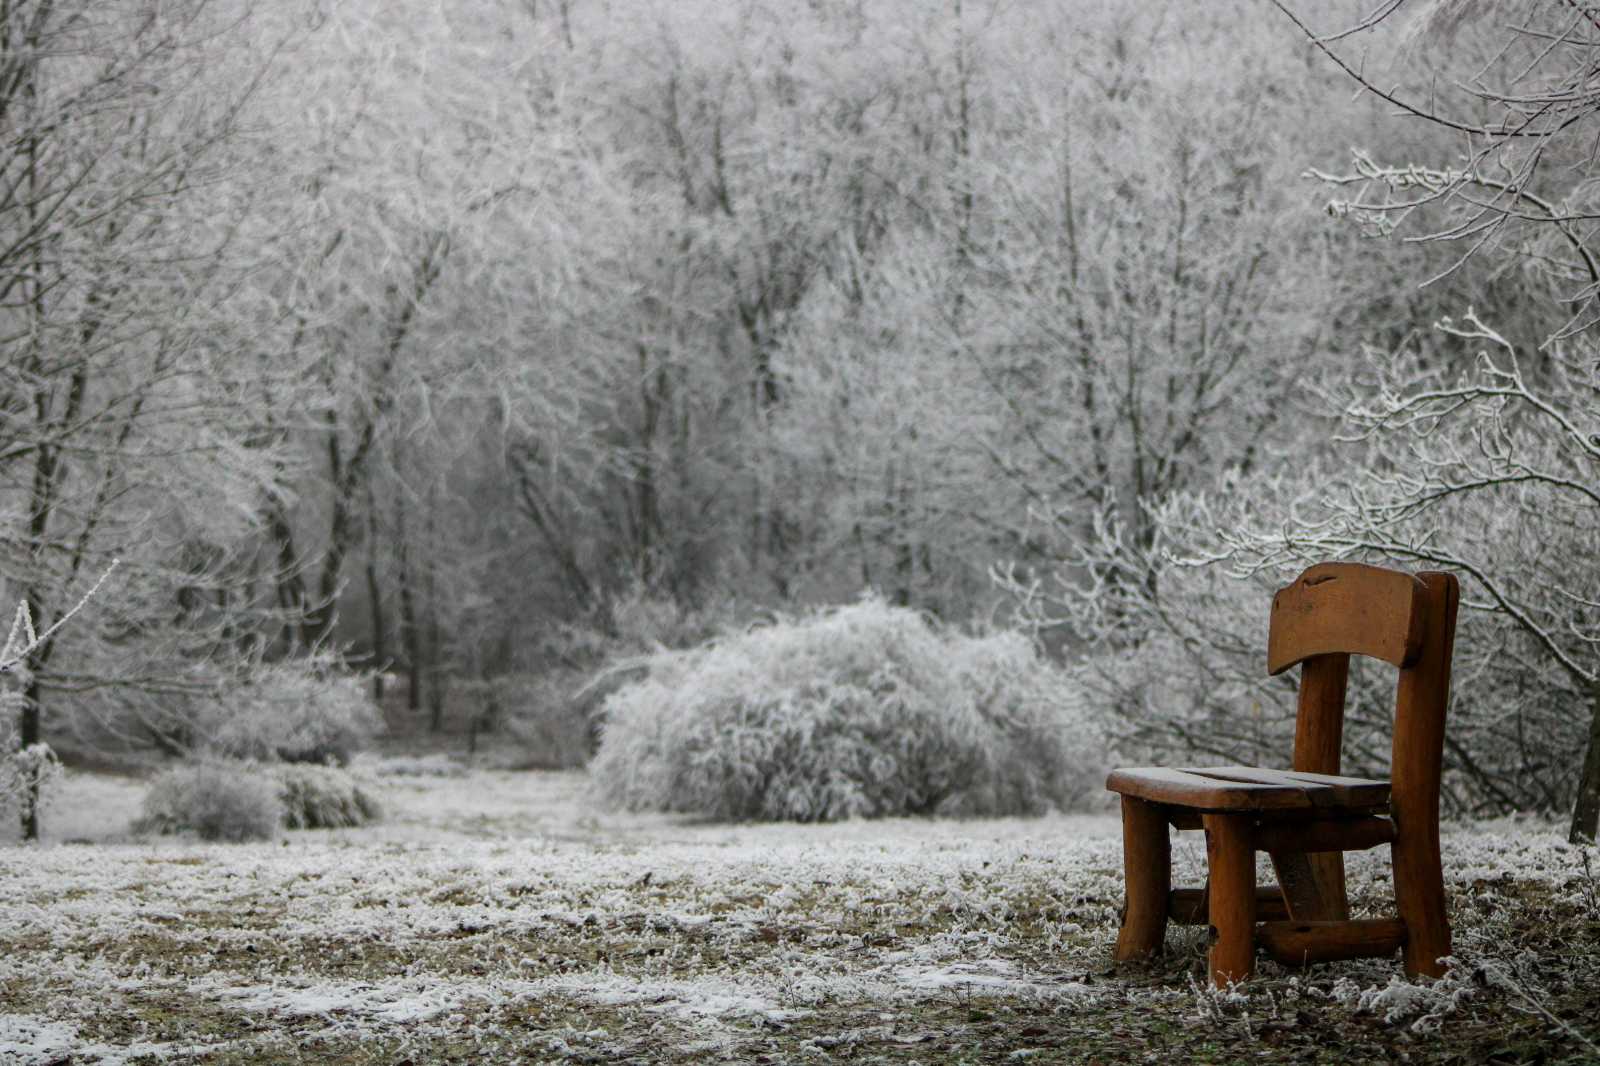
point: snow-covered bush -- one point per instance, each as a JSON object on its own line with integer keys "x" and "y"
{"x": 865, "y": 711}
{"x": 26, "y": 776}
{"x": 236, "y": 801}
{"x": 323, "y": 797}
{"x": 299, "y": 710}
{"x": 1043, "y": 751}
{"x": 218, "y": 800}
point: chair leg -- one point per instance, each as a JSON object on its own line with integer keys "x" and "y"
{"x": 1231, "y": 856}
{"x": 1419, "y": 897}
{"x": 1147, "y": 870}
{"x": 1313, "y": 887}
{"x": 1328, "y": 868}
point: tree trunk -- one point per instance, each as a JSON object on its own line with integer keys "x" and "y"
{"x": 348, "y": 473}
{"x": 1586, "y": 808}
{"x": 546, "y": 521}
{"x": 410, "y": 634}
{"x": 380, "y": 630}
{"x": 29, "y": 737}
{"x": 430, "y": 592}
{"x": 290, "y": 578}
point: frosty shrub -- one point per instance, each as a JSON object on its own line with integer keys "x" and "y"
{"x": 299, "y": 710}
{"x": 864, "y": 711}
{"x": 1043, "y": 752}
{"x": 238, "y": 801}
{"x": 34, "y": 771}
{"x": 218, "y": 800}
{"x": 323, "y": 797}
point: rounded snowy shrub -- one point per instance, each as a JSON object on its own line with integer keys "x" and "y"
{"x": 864, "y": 711}
{"x": 299, "y": 710}
{"x": 217, "y": 800}
{"x": 323, "y": 797}
{"x": 238, "y": 801}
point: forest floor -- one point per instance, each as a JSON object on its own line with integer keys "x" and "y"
{"x": 496, "y": 917}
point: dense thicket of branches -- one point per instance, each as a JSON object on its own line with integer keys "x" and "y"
{"x": 422, "y": 330}
{"x": 1473, "y": 445}
{"x": 129, "y": 392}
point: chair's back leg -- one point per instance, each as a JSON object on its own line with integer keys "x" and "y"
{"x": 1420, "y": 707}
{"x": 1318, "y": 746}
{"x": 1147, "y": 866}
{"x": 1315, "y": 892}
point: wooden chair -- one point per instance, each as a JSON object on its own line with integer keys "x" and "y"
{"x": 1305, "y": 818}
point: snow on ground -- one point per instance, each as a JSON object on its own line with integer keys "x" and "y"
{"x": 498, "y": 911}
{"x": 486, "y": 892}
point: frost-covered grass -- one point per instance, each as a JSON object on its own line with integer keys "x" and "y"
{"x": 494, "y": 918}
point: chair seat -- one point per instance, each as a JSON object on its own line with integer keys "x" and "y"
{"x": 1248, "y": 788}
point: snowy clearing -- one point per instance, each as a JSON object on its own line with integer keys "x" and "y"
{"x": 494, "y": 917}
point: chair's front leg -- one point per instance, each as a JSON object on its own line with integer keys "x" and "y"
{"x": 1147, "y": 870}
{"x": 1231, "y": 856}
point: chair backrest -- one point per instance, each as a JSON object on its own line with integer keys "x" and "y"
{"x": 1334, "y": 610}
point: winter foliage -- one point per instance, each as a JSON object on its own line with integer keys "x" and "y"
{"x": 27, "y": 777}
{"x": 545, "y": 717}
{"x": 323, "y": 797}
{"x": 303, "y": 710}
{"x": 864, "y": 711}
{"x": 1468, "y": 442}
{"x": 411, "y": 334}
{"x": 229, "y": 802}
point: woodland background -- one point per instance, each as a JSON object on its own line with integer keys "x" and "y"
{"x": 470, "y": 348}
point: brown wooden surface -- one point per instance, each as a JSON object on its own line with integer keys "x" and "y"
{"x": 1324, "y": 835}
{"x": 1319, "y": 719}
{"x": 1346, "y": 607}
{"x": 1232, "y": 862}
{"x": 1322, "y": 790}
{"x": 1318, "y": 748}
{"x": 1183, "y": 818}
{"x": 1147, "y": 868}
{"x": 1420, "y": 704}
{"x": 1298, "y": 943}
{"x": 1246, "y": 788}
{"x": 1160, "y": 784}
{"x": 1192, "y": 906}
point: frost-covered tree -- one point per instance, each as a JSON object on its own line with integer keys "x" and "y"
{"x": 1100, "y": 286}
{"x": 1494, "y": 474}
{"x": 128, "y": 332}
{"x": 418, "y": 149}
{"x": 1493, "y": 469}
{"x": 1470, "y": 448}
